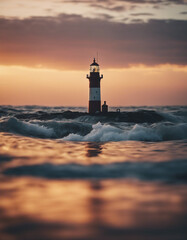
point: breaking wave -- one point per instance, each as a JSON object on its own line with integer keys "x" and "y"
{"x": 74, "y": 124}
{"x": 99, "y": 132}
{"x": 44, "y": 129}
{"x": 14, "y": 125}
{"x": 159, "y": 132}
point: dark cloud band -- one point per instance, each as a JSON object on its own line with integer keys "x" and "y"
{"x": 68, "y": 41}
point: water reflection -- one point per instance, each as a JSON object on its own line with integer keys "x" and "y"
{"x": 18, "y": 151}
{"x": 49, "y": 209}
{"x": 35, "y": 205}
{"x": 93, "y": 149}
{"x": 96, "y": 203}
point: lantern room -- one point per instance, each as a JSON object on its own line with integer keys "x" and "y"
{"x": 94, "y": 67}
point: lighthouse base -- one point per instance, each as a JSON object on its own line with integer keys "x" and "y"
{"x": 94, "y": 106}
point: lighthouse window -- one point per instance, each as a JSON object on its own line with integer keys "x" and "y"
{"x": 94, "y": 68}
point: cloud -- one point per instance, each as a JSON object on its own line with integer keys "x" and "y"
{"x": 137, "y": 20}
{"x": 155, "y": 1}
{"x": 122, "y": 5}
{"x": 70, "y": 41}
{"x": 118, "y": 8}
{"x": 126, "y": 1}
{"x": 141, "y": 14}
{"x": 104, "y": 16}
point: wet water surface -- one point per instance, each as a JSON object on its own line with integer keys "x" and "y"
{"x": 87, "y": 179}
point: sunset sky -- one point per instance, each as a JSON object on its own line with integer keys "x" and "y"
{"x": 46, "y": 47}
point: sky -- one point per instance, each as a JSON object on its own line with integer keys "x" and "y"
{"x": 46, "y": 47}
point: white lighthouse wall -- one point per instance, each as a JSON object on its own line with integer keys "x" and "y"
{"x": 95, "y": 94}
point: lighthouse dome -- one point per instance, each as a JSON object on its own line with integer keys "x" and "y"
{"x": 94, "y": 63}
{"x": 94, "y": 67}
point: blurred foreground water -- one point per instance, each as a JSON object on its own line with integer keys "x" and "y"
{"x": 91, "y": 178}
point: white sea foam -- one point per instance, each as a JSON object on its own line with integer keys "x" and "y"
{"x": 105, "y": 132}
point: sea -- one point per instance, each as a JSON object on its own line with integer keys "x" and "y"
{"x": 65, "y": 174}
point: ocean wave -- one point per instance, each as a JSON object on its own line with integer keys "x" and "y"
{"x": 44, "y": 129}
{"x": 156, "y": 132}
{"x": 138, "y": 116}
{"x": 64, "y": 128}
{"x": 99, "y": 132}
{"x": 14, "y": 125}
{"x": 175, "y": 118}
{"x": 170, "y": 171}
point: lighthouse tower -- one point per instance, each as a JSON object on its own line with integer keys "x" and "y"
{"x": 94, "y": 88}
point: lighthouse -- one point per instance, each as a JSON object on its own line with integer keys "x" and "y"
{"x": 94, "y": 88}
